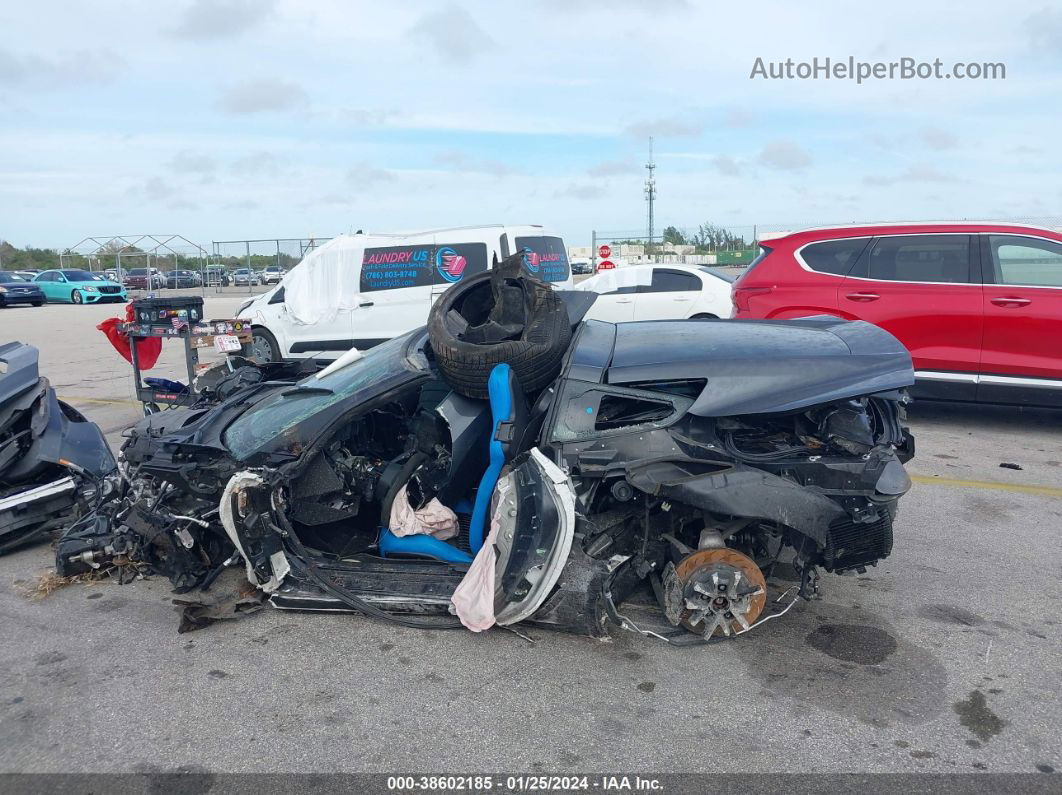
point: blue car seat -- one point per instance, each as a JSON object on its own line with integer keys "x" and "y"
{"x": 509, "y": 420}
{"x": 508, "y": 410}
{"x": 421, "y": 546}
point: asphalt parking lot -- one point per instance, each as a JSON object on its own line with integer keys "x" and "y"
{"x": 944, "y": 658}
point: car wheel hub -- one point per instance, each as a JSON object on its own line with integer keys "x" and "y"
{"x": 715, "y": 591}
{"x": 261, "y": 349}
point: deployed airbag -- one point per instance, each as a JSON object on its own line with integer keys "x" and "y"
{"x": 434, "y": 519}
{"x": 473, "y": 599}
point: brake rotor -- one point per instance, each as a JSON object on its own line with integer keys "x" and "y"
{"x": 722, "y": 591}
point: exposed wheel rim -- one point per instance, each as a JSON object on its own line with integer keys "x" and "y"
{"x": 76, "y": 297}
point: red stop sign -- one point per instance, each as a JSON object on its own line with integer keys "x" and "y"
{"x": 605, "y": 265}
{"x": 604, "y": 252}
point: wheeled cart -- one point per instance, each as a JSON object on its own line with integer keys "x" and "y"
{"x": 178, "y": 318}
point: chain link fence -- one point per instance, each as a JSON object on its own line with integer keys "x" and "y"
{"x": 150, "y": 262}
{"x": 732, "y": 244}
{"x": 255, "y": 262}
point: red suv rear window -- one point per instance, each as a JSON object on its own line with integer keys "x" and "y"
{"x": 833, "y": 256}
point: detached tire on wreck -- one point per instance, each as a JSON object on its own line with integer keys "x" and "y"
{"x": 503, "y": 315}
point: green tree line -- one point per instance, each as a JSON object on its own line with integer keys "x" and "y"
{"x": 705, "y": 239}
{"x": 29, "y": 258}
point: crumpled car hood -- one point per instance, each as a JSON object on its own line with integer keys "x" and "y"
{"x": 762, "y": 366}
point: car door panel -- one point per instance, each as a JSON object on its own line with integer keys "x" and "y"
{"x": 1021, "y": 358}
{"x": 616, "y": 306}
{"x": 328, "y": 336}
{"x": 55, "y": 288}
{"x": 394, "y": 290}
{"x": 536, "y": 518}
{"x": 43, "y": 280}
{"x": 925, "y": 290}
{"x": 671, "y": 294}
{"x": 399, "y": 283}
{"x": 323, "y": 339}
{"x": 59, "y": 288}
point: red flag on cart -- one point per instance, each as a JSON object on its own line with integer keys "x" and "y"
{"x": 147, "y": 349}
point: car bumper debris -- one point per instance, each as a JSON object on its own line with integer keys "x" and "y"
{"x": 54, "y": 463}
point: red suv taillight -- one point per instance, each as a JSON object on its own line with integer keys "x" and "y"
{"x": 741, "y": 295}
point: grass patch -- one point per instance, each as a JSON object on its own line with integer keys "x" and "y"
{"x": 45, "y": 583}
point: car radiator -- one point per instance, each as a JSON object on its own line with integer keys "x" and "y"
{"x": 853, "y": 544}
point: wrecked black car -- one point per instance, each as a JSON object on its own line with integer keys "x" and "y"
{"x": 53, "y": 461}
{"x": 678, "y": 459}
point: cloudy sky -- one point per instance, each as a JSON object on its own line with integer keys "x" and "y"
{"x": 221, "y": 119}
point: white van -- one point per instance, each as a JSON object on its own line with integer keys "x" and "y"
{"x": 357, "y": 291}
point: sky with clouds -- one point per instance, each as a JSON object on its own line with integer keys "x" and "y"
{"x": 222, "y": 119}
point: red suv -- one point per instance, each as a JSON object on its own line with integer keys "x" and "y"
{"x": 979, "y": 306}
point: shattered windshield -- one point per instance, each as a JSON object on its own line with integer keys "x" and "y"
{"x": 382, "y": 367}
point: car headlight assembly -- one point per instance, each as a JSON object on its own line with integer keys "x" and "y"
{"x": 3, "y": 290}
{"x": 89, "y": 289}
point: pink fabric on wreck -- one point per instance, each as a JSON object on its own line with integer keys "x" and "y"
{"x": 473, "y": 599}
{"x": 434, "y": 519}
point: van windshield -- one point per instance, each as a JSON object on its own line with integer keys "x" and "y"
{"x": 548, "y": 258}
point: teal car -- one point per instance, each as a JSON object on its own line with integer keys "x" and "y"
{"x": 78, "y": 287}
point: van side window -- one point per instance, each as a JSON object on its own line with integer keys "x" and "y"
{"x": 921, "y": 258}
{"x": 396, "y": 267}
{"x": 546, "y": 257}
{"x": 392, "y": 267}
{"x": 452, "y": 262}
{"x": 1026, "y": 261}
{"x": 831, "y": 256}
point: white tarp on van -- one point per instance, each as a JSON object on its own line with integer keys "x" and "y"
{"x": 325, "y": 282}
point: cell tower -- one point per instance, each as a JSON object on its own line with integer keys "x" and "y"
{"x": 650, "y": 189}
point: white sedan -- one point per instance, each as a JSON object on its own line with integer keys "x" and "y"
{"x": 658, "y": 292}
